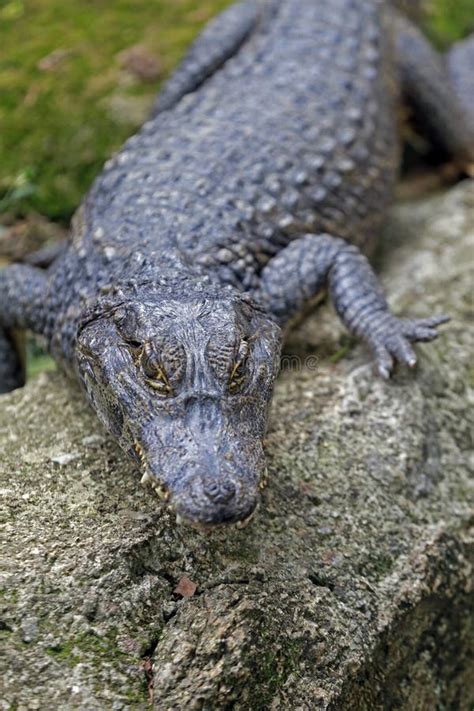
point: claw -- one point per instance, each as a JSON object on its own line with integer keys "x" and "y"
{"x": 384, "y": 362}
{"x": 402, "y": 350}
{"x": 394, "y": 337}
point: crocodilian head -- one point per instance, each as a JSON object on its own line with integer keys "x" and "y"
{"x": 183, "y": 382}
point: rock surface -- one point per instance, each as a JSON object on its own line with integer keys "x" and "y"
{"x": 351, "y": 589}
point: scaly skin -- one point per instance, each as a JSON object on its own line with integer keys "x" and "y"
{"x": 263, "y": 175}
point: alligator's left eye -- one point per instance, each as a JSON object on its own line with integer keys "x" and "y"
{"x": 154, "y": 370}
{"x": 238, "y": 370}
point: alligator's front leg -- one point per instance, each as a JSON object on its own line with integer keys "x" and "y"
{"x": 22, "y": 306}
{"x": 313, "y": 262}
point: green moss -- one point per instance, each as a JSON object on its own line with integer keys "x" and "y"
{"x": 9, "y": 596}
{"x": 348, "y": 343}
{"x": 56, "y": 129}
{"x": 274, "y": 670}
{"x": 37, "y": 360}
{"x": 90, "y": 647}
{"x": 377, "y": 568}
{"x": 449, "y": 20}
{"x": 64, "y": 653}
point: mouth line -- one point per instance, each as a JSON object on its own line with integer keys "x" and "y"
{"x": 163, "y": 494}
{"x": 160, "y": 489}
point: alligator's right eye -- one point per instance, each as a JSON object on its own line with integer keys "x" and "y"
{"x": 154, "y": 371}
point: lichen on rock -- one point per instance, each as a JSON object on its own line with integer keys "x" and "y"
{"x": 350, "y": 590}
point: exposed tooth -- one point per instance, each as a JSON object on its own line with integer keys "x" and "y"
{"x": 242, "y": 524}
{"x": 146, "y": 479}
{"x": 140, "y": 453}
{"x": 263, "y": 481}
{"x": 245, "y": 522}
{"x": 163, "y": 493}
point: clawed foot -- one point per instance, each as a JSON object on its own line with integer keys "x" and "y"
{"x": 392, "y": 339}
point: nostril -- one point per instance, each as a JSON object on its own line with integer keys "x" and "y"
{"x": 220, "y": 492}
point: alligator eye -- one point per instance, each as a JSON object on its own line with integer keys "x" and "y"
{"x": 237, "y": 373}
{"x": 154, "y": 371}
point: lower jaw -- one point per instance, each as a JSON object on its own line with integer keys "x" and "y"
{"x": 211, "y": 527}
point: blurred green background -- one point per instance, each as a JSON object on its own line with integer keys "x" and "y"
{"x": 74, "y": 84}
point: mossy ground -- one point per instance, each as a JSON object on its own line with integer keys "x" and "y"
{"x": 56, "y": 125}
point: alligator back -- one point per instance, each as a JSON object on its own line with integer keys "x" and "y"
{"x": 295, "y": 133}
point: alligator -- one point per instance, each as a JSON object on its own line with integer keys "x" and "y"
{"x": 261, "y": 180}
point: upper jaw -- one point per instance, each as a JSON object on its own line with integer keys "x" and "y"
{"x": 213, "y": 494}
{"x": 160, "y": 489}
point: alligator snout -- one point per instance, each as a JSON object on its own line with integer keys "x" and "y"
{"x": 208, "y": 502}
{"x": 210, "y": 467}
